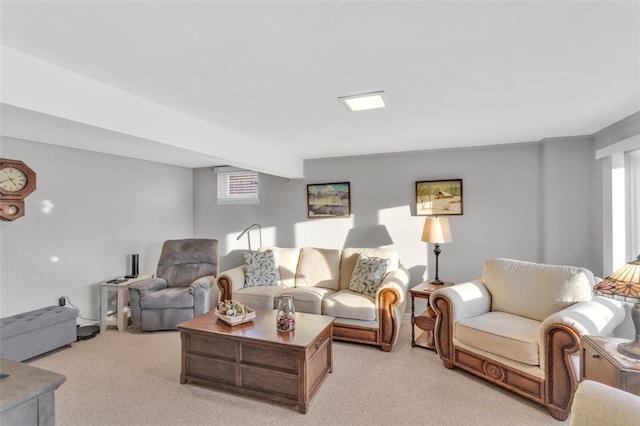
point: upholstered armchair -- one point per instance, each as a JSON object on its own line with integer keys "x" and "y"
{"x": 599, "y": 404}
{"x": 182, "y": 288}
{"x": 519, "y": 326}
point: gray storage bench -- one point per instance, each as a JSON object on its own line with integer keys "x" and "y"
{"x": 33, "y": 333}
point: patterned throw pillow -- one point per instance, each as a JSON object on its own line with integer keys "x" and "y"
{"x": 368, "y": 274}
{"x": 262, "y": 269}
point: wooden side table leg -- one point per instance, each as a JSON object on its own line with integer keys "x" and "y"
{"x": 413, "y": 322}
{"x": 432, "y": 341}
{"x": 104, "y": 305}
{"x": 123, "y": 299}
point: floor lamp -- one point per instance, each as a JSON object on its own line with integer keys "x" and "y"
{"x": 436, "y": 231}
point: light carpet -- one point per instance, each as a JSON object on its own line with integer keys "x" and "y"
{"x": 134, "y": 379}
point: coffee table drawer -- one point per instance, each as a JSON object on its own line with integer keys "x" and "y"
{"x": 272, "y": 381}
{"x": 318, "y": 344}
{"x": 269, "y": 357}
{"x": 211, "y": 345}
{"x": 211, "y": 368}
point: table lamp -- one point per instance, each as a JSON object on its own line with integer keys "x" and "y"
{"x": 437, "y": 231}
{"x": 624, "y": 284}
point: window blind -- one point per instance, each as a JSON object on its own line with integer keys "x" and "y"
{"x": 237, "y": 186}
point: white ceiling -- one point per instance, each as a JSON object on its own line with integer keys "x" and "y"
{"x": 456, "y": 74}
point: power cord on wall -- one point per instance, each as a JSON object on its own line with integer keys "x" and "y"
{"x": 66, "y": 299}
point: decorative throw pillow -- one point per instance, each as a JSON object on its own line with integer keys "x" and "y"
{"x": 368, "y": 274}
{"x": 262, "y": 269}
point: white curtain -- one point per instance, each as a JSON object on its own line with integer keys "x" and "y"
{"x": 632, "y": 165}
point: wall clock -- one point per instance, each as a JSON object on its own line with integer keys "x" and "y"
{"x": 17, "y": 180}
{"x": 11, "y": 209}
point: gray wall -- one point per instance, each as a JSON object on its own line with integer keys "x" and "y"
{"x": 533, "y": 201}
{"x": 569, "y": 220}
{"x": 526, "y": 201}
{"x": 104, "y": 208}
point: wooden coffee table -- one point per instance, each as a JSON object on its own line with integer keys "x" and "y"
{"x": 256, "y": 359}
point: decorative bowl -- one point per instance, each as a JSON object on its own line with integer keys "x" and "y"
{"x": 240, "y": 314}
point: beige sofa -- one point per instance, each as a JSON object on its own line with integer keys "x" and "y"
{"x": 519, "y": 326}
{"x": 596, "y": 404}
{"x": 319, "y": 280}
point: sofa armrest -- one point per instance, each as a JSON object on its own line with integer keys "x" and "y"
{"x": 390, "y": 302}
{"x": 452, "y": 304}
{"x": 598, "y": 404}
{"x": 139, "y": 289}
{"x": 231, "y": 280}
{"x": 397, "y": 280}
{"x": 559, "y": 345}
{"x": 599, "y": 316}
{"x": 200, "y": 289}
{"x": 467, "y": 300}
{"x": 149, "y": 285}
{"x": 202, "y": 282}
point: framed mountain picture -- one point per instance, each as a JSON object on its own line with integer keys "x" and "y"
{"x": 329, "y": 200}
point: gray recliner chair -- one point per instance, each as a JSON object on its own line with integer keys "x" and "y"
{"x": 183, "y": 288}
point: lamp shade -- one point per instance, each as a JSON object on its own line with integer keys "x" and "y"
{"x": 624, "y": 284}
{"x": 436, "y": 230}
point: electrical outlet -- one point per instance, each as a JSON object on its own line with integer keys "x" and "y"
{"x": 62, "y": 301}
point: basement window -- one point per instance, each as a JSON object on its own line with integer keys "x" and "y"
{"x": 237, "y": 186}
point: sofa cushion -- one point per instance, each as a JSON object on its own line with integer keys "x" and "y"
{"x": 319, "y": 268}
{"x": 503, "y": 334}
{"x": 308, "y": 299}
{"x": 368, "y": 274}
{"x": 350, "y": 258}
{"x": 262, "y": 269}
{"x": 288, "y": 259}
{"x": 516, "y": 286}
{"x": 349, "y": 304}
{"x": 259, "y": 297}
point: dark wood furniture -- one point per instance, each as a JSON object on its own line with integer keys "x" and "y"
{"x": 426, "y": 321}
{"x": 27, "y": 394}
{"x": 598, "y": 362}
{"x": 255, "y": 359}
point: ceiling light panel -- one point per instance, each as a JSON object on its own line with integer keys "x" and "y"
{"x": 364, "y": 101}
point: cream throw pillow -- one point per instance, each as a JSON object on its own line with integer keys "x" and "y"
{"x": 262, "y": 269}
{"x": 368, "y": 274}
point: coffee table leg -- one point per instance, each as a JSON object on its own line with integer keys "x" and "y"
{"x": 304, "y": 406}
{"x": 183, "y": 370}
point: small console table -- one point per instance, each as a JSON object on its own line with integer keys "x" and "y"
{"x": 120, "y": 318}
{"x": 600, "y": 361}
{"x": 27, "y": 394}
{"x": 426, "y": 320}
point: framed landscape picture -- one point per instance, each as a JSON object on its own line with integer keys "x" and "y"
{"x": 439, "y": 197}
{"x": 329, "y": 200}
